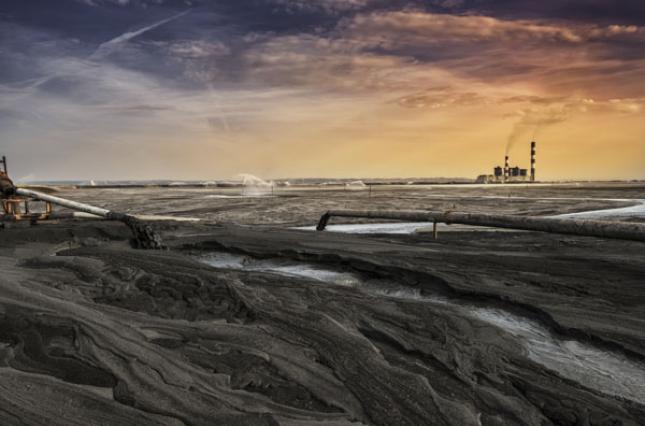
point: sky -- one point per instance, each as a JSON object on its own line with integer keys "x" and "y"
{"x": 207, "y": 89}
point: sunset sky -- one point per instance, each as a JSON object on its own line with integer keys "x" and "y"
{"x": 207, "y": 89}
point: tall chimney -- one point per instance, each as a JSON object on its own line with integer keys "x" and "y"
{"x": 533, "y": 161}
{"x": 507, "y": 168}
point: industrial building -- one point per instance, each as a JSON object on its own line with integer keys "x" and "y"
{"x": 508, "y": 174}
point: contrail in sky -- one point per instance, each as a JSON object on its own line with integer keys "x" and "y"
{"x": 110, "y": 46}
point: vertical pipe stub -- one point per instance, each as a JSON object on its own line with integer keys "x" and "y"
{"x": 322, "y": 224}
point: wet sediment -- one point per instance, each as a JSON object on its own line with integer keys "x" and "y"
{"x": 150, "y": 337}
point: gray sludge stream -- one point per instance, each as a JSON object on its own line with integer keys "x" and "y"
{"x": 607, "y": 372}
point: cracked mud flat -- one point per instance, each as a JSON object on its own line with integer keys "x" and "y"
{"x": 269, "y": 325}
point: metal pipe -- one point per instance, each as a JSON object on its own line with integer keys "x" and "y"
{"x": 589, "y": 228}
{"x": 73, "y": 205}
{"x": 144, "y": 236}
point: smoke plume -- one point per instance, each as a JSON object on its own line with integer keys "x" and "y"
{"x": 532, "y": 120}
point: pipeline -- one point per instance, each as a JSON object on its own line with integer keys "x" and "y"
{"x": 144, "y": 236}
{"x": 588, "y": 228}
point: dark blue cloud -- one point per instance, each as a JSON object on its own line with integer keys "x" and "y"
{"x": 225, "y": 41}
{"x": 595, "y": 11}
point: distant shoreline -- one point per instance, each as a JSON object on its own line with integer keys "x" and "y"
{"x": 337, "y": 184}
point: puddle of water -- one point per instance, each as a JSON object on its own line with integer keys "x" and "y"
{"x": 607, "y": 372}
{"x": 374, "y": 228}
{"x": 610, "y": 373}
{"x": 213, "y": 196}
{"x": 303, "y": 270}
{"x": 635, "y": 211}
{"x": 406, "y": 293}
{"x": 225, "y": 260}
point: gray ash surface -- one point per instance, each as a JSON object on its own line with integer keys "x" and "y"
{"x": 296, "y": 327}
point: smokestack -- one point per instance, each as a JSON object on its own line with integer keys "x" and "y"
{"x": 507, "y": 168}
{"x": 533, "y": 144}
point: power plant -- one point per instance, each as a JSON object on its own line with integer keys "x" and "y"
{"x": 508, "y": 174}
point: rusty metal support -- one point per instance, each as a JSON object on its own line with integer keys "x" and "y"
{"x": 589, "y": 228}
{"x": 11, "y": 210}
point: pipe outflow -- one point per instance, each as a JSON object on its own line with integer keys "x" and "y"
{"x": 588, "y": 228}
{"x": 144, "y": 236}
